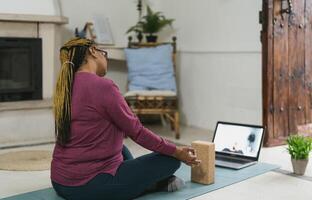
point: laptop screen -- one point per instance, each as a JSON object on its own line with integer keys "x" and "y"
{"x": 238, "y": 139}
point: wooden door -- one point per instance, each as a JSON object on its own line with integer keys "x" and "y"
{"x": 286, "y": 38}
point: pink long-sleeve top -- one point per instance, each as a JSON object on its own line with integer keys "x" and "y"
{"x": 100, "y": 118}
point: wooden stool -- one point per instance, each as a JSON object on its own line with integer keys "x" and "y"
{"x": 204, "y": 173}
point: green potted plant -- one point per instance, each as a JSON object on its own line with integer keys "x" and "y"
{"x": 299, "y": 148}
{"x": 150, "y": 24}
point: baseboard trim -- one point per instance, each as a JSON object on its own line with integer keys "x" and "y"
{"x": 11, "y": 146}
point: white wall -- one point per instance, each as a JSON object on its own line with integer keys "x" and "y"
{"x": 220, "y": 59}
{"x": 220, "y": 51}
{"x": 220, "y": 86}
{"x": 121, "y": 14}
{"x": 214, "y": 25}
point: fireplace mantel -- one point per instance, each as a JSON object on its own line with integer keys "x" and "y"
{"x": 33, "y": 18}
{"x": 33, "y": 120}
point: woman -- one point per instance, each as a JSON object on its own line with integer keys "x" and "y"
{"x": 91, "y": 120}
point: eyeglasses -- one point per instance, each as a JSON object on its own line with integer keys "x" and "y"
{"x": 103, "y": 52}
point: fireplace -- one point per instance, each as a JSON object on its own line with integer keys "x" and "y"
{"x": 20, "y": 69}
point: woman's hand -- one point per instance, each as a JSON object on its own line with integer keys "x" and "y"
{"x": 187, "y": 155}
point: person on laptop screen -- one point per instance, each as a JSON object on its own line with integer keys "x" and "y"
{"x": 237, "y": 145}
{"x": 238, "y": 139}
{"x": 234, "y": 149}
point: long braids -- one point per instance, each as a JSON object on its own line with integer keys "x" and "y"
{"x": 72, "y": 55}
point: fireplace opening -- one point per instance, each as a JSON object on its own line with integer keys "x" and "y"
{"x": 20, "y": 69}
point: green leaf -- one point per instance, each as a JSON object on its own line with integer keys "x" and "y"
{"x": 152, "y": 22}
{"x": 299, "y": 147}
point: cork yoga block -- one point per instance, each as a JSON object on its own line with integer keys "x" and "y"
{"x": 204, "y": 173}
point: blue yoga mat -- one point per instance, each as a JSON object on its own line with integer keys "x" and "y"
{"x": 223, "y": 177}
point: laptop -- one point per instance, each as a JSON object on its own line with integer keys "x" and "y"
{"x": 237, "y": 145}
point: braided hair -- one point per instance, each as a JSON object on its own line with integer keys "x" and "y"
{"x": 72, "y": 55}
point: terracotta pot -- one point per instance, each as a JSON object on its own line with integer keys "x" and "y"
{"x": 299, "y": 166}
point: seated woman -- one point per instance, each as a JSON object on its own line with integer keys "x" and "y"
{"x": 91, "y": 120}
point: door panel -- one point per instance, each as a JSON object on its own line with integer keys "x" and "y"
{"x": 287, "y": 67}
{"x": 296, "y": 57}
{"x": 308, "y": 61}
{"x": 266, "y": 16}
{"x": 280, "y": 72}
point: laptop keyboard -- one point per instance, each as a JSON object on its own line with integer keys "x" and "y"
{"x": 232, "y": 160}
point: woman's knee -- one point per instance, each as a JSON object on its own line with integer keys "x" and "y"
{"x": 176, "y": 163}
{"x": 173, "y": 163}
{"x": 160, "y": 161}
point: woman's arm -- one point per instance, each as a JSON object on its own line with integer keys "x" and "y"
{"x": 123, "y": 117}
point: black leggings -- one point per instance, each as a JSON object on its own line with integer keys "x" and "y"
{"x": 132, "y": 178}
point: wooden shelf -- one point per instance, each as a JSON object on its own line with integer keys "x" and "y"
{"x": 114, "y": 52}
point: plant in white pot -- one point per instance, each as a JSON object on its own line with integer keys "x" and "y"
{"x": 299, "y": 148}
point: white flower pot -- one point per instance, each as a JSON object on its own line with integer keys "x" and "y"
{"x": 299, "y": 166}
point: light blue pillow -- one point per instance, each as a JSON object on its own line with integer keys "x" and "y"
{"x": 150, "y": 68}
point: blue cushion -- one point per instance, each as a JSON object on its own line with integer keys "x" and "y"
{"x": 150, "y": 68}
